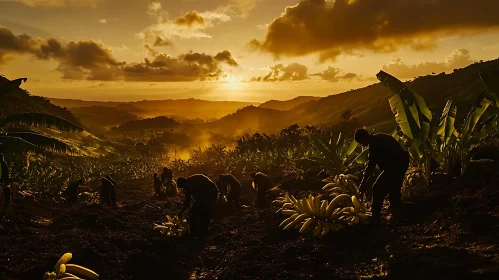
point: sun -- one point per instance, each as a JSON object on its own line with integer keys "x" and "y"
{"x": 232, "y": 82}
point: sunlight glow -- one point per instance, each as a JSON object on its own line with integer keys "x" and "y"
{"x": 232, "y": 83}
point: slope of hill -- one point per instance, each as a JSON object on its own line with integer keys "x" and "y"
{"x": 21, "y": 101}
{"x": 99, "y": 117}
{"x": 369, "y": 105}
{"x": 249, "y": 120}
{"x": 287, "y": 104}
{"x": 184, "y": 108}
{"x": 151, "y": 123}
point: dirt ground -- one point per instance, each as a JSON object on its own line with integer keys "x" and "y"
{"x": 449, "y": 232}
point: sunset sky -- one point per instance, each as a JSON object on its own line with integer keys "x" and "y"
{"x": 250, "y": 50}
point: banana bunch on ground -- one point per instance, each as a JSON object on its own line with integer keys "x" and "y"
{"x": 66, "y": 271}
{"x": 342, "y": 184}
{"x": 317, "y": 217}
{"x": 173, "y": 227}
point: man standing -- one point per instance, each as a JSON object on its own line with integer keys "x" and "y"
{"x": 204, "y": 192}
{"x": 393, "y": 160}
{"x": 4, "y": 182}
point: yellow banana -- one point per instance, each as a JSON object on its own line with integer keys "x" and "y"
{"x": 329, "y": 185}
{"x": 363, "y": 208}
{"x": 292, "y": 198}
{"x": 287, "y": 212}
{"x": 307, "y": 225}
{"x": 46, "y": 275}
{"x": 170, "y": 219}
{"x": 335, "y": 215}
{"x": 318, "y": 228}
{"x": 325, "y": 229}
{"x": 339, "y": 199}
{"x": 307, "y": 206}
{"x": 52, "y": 276}
{"x": 329, "y": 209}
{"x": 61, "y": 270}
{"x": 323, "y": 208}
{"x": 82, "y": 271}
{"x": 356, "y": 203}
{"x": 63, "y": 260}
{"x": 289, "y": 220}
{"x": 69, "y": 276}
{"x": 317, "y": 207}
{"x": 278, "y": 202}
{"x": 288, "y": 205}
{"x": 286, "y": 195}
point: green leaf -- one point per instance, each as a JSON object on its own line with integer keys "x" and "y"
{"x": 446, "y": 127}
{"x": 43, "y": 142}
{"x": 404, "y": 117}
{"x": 11, "y": 145}
{"x": 476, "y": 112}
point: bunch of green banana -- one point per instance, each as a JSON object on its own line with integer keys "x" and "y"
{"x": 173, "y": 227}
{"x": 318, "y": 217}
{"x": 66, "y": 271}
{"x": 342, "y": 184}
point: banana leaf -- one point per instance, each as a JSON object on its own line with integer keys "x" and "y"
{"x": 485, "y": 123}
{"x": 9, "y": 86}
{"x": 44, "y": 142}
{"x": 11, "y": 145}
{"x": 490, "y": 81}
{"x": 476, "y": 112}
{"x": 404, "y": 117}
{"x": 43, "y": 120}
{"x": 446, "y": 127}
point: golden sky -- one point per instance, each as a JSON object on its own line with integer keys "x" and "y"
{"x": 250, "y": 50}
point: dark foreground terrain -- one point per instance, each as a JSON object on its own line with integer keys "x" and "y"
{"x": 449, "y": 232}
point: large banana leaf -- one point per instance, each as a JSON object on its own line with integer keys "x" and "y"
{"x": 10, "y": 145}
{"x": 44, "y": 142}
{"x": 446, "y": 127}
{"x": 476, "y": 112}
{"x": 404, "y": 117}
{"x": 490, "y": 80}
{"x": 43, "y": 120}
{"x": 398, "y": 87}
{"x": 9, "y": 86}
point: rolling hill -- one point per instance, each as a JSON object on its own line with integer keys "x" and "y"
{"x": 287, "y": 104}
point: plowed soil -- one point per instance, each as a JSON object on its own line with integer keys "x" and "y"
{"x": 448, "y": 232}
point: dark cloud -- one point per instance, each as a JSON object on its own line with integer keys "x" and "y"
{"x": 92, "y": 60}
{"x": 188, "y": 67}
{"x": 279, "y": 72}
{"x": 190, "y": 19}
{"x": 333, "y": 74}
{"x": 77, "y": 60}
{"x": 334, "y": 27}
{"x": 160, "y": 42}
{"x": 457, "y": 59}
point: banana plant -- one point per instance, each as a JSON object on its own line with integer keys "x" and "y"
{"x": 331, "y": 155}
{"x": 12, "y": 142}
{"x": 413, "y": 117}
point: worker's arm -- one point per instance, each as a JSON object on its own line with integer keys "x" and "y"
{"x": 368, "y": 172}
{"x": 187, "y": 201}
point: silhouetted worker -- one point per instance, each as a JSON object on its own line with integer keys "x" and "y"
{"x": 157, "y": 185}
{"x": 167, "y": 181}
{"x": 113, "y": 189}
{"x": 262, "y": 184}
{"x": 393, "y": 160}
{"x": 72, "y": 191}
{"x": 4, "y": 182}
{"x": 235, "y": 189}
{"x": 106, "y": 191}
{"x": 205, "y": 193}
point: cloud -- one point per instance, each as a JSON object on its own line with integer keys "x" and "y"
{"x": 103, "y": 21}
{"x": 457, "y": 59}
{"x": 57, "y": 3}
{"x": 333, "y": 74}
{"x": 92, "y": 60}
{"x": 241, "y": 8}
{"x": 190, "y": 19}
{"x": 191, "y": 25}
{"x": 187, "y": 67}
{"x": 279, "y": 72}
{"x": 331, "y": 28}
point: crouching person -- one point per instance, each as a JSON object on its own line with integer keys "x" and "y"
{"x": 235, "y": 189}
{"x": 72, "y": 191}
{"x": 106, "y": 192}
{"x": 204, "y": 192}
{"x": 158, "y": 186}
{"x": 262, "y": 183}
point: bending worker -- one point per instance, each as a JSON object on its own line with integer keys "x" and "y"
{"x": 393, "y": 160}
